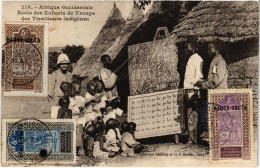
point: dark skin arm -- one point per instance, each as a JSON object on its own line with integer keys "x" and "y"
{"x": 101, "y": 144}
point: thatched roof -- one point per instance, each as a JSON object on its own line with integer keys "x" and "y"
{"x": 139, "y": 29}
{"x": 134, "y": 18}
{"x": 103, "y": 41}
{"x": 228, "y": 21}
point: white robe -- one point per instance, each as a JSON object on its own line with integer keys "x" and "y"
{"x": 193, "y": 72}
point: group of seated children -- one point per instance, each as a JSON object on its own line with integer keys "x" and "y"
{"x": 98, "y": 131}
{"x": 104, "y": 140}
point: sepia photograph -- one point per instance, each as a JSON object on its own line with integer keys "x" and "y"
{"x": 137, "y": 83}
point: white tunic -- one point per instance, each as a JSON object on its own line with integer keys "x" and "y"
{"x": 193, "y": 72}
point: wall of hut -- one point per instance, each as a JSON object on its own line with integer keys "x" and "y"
{"x": 243, "y": 69}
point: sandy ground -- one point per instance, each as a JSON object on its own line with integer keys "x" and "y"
{"x": 25, "y": 107}
{"x": 165, "y": 154}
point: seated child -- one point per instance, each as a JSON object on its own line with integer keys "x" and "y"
{"x": 89, "y": 140}
{"x": 90, "y": 94}
{"x": 78, "y": 100}
{"x": 113, "y": 135}
{"x": 64, "y": 112}
{"x": 112, "y": 109}
{"x": 129, "y": 145}
{"x": 65, "y": 89}
{"x": 88, "y": 115}
{"x": 96, "y": 98}
{"x": 123, "y": 127}
{"x": 100, "y": 150}
{"x": 75, "y": 110}
{"x": 99, "y": 92}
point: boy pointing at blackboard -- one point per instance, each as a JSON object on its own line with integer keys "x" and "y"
{"x": 108, "y": 77}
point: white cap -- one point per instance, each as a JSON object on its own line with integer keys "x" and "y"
{"x": 63, "y": 59}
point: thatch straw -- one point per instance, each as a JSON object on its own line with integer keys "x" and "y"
{"x": 103, "y": 41}
{"x": 227, "y": 21}
{"x": 135, "y": 16}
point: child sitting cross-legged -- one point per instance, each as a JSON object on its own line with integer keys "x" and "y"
{"x": 129, "y": 145}
{"x": 113, "y": 136}
{"x": 100, "y": 150}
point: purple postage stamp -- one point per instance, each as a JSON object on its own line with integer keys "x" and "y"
{"x": 230, "y": 118}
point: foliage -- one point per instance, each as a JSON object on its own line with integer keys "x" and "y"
{"x": 143, "y": 3}
{"x": 53, "y": 56}
{"x": 74, "y": 52}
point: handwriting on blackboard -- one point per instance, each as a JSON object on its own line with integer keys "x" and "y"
{"x": 156, "y": 114}
{"x": 154, "y": 67}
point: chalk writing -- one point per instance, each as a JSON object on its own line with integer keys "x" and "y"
{"x": 154, "y": 68}
{"x": 156, "y": 114}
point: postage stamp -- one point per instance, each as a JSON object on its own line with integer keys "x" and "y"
{"x": 230, "y": 120}
{"x": 31, "y": 141}
{"x": 25, "y": 59}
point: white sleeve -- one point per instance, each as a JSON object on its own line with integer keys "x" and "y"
{"x": 108, "y": 82}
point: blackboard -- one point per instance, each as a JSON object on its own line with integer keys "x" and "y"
{"x": 153, "y": 67}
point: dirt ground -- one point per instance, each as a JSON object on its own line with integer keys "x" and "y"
{"x": 162, "y": 154}
{"x": 25, "y": 107}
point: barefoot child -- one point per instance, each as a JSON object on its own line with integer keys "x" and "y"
{"x": 99, "y": 145}
{"x": 129, "y": 145}
{"x": 113, "y": 136}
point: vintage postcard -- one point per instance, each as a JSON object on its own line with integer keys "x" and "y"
{"x": 33, "y": 141}
{"x": 25, "y": 59}
{"x": 137, "y": 83}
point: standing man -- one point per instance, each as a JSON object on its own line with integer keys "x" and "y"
{"x": 217, "y": 79}
{"x": 108, "y": 77}
{"x": 57, "y": 77}
{"x": 218, "y": 72}
{"x": 193, "y": 74}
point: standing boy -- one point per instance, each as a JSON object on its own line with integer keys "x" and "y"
{"x": 108, "y": 77}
